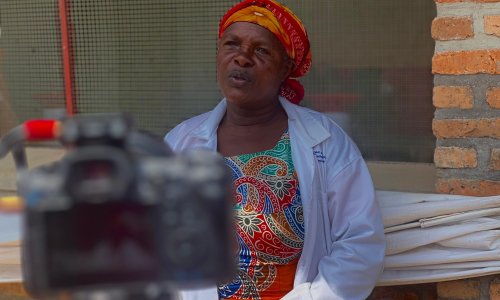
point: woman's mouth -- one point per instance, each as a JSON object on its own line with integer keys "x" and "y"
{"x": 239, "y": 78}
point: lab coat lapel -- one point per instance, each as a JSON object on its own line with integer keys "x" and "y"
{"x": 306, "y": 135}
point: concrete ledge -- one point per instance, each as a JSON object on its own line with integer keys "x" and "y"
{"x": 405, "y": 177}
{"x": 36, "y": 157}
{"x": 409, "y": 177}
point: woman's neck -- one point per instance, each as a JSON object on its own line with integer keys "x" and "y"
{"x": 258, "y": 117}
{"x": 244, "y": 131}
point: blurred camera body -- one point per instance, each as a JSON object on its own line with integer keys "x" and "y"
{"x": 121, "y": 209}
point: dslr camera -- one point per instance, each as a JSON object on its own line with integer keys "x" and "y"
{"x": 121, "y": 210}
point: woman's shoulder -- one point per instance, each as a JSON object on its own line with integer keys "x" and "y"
{"x": 186, "y": 127}
{"x": 207, "y": 119}
{"x": 338, "y": 143}
{"x": 192, "y": 122}
{"x": 323, "y": 119}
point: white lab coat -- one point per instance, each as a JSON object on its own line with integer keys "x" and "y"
{"x": 344, "y": 239}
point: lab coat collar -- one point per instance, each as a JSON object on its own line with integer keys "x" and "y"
{"x": 311, "y": 131}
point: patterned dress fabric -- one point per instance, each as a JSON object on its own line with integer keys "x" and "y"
{"x": 269, "y": 224}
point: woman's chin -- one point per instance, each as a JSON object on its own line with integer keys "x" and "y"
{"x": 238, "y": 98}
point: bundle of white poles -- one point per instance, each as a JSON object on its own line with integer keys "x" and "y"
{"x": 430, "y": 238}
{"x": 436, "y": 237}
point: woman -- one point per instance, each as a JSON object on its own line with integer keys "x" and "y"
{"x": 307, "y": 223}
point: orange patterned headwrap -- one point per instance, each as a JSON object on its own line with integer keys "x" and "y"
{"x": 287, "y": 27}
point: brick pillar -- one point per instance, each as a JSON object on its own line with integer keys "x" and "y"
{"x": 466, "y": 65}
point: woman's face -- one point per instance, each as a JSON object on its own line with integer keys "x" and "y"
{"x": 251, "y": 65}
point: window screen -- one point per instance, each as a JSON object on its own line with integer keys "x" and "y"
{"x": 31, "y": 79}
{"x": 372, "y": 73}
{"x": 151, "y": 58}
{"x": 155, "y": 59}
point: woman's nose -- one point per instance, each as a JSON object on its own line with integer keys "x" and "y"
{"x": 243, "y": 57}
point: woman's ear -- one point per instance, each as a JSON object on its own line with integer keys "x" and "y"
{"x": 289, "y": 67}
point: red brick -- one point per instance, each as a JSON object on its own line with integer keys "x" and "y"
{"x": 392, "y": 293}
{"x": 492, "y": 25}
{"x": 452, "y": 28}
{"x": 468, "y": 187}
{"x": 13, "y": 290}
{"x": 458, "y": 128}
{"x": 495, "y": 290}
{"x": 468, "y": 289}
{"x": 486, "y": 1}
{"x": 455, "y": 157}
{"x": 493, "y": 97}
{"x": 453, "y": 97}
{"x": 495, "y": 159}
{"x": 423, "y": 291}
{"x": 467, "y": 62}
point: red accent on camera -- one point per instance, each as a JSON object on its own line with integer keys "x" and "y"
{"x": 37, "y": 130}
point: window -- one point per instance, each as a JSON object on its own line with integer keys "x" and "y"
{"x": 156, "y": 59}
{"x": 372, "y": 73}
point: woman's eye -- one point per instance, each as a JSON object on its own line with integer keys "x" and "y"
{"x": 231, "y": 44}
{"x": 261, "y": 50}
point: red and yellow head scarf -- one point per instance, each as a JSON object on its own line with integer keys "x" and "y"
{"x": 287, "y": 27}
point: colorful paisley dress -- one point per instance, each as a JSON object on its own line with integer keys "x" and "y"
{"x": 269, "y": 224}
